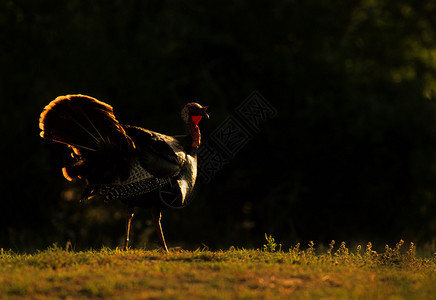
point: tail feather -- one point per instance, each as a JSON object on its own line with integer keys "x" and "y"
{"x": 90, "y": 128}
{"x": 82, "y": 122}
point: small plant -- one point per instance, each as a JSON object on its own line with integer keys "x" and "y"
{"x": 331, "y": 246}
{"x": 342, "y": 252}
{"x": 396, "y": 257}
{"x": 68, "y": 246}
{"x": 295, "y": 251}
{"x": 270, "y": 245}
{"x": 369, "y": 253}
{"x": 311, "y": 250}
{"x": 411, "y": 253}
{"x": 391, "y": 256}
{"x": 358, "y": 249}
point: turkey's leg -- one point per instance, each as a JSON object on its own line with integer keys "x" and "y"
{"x": 157, "y": 215}
{"x": 130, "y": 215}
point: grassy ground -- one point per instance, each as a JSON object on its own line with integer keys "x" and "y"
{"x": 268, "y": 273}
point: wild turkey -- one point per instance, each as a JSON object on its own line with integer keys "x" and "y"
{"x": 140, "y": 167}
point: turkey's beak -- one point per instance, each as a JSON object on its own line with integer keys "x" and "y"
{"x": 204, "y": 108}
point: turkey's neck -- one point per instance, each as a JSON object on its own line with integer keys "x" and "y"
{"x": 195, "y": 134}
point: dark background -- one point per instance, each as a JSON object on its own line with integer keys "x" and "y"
{"x": 350, "y": 155}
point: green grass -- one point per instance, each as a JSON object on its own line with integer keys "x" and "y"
{"x": 267, "y": 273}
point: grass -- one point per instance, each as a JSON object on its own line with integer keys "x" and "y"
{"x": 267, "y": 273}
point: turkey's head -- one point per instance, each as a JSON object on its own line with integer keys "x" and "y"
{"x": 193, "y": 112}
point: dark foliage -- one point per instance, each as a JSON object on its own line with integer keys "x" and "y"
{"x": 349, "y": 156}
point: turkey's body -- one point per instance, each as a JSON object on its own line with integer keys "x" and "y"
{"x": 158, "y": 163}
{"x": 121, "y": 162}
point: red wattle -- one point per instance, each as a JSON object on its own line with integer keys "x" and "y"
{"x": 195, "y": 119}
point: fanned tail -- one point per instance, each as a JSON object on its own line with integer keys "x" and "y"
{"x": 90, "y": 128}
{"x": 82, "y": 122}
